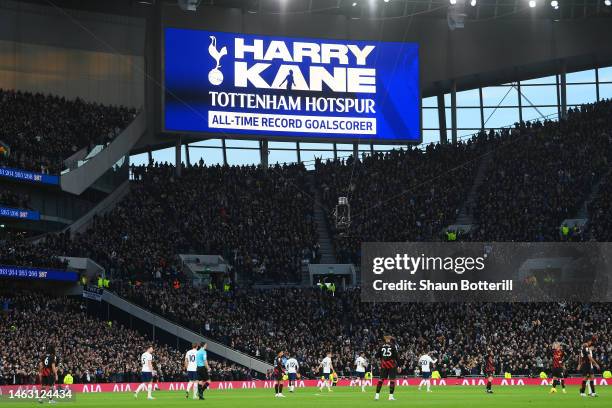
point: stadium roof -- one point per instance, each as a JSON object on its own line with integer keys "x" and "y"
{"x": 393, "y": 9}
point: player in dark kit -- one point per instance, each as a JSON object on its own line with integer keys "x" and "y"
{"x": 586, "y": 366}
{"x": 48, "y": 373}
{"x": 489, "y": 371}
{"x": 279, "y": 372}
{"x": 388, "y": 356}
{"x": 558, "y": 367}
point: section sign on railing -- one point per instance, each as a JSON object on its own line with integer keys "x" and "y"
{"x": 19, "y": 213}
{"x": 19, "y": 272}
{"x": 30, "y": 176}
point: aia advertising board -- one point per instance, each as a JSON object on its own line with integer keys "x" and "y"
{"x": 257, "y": 384}
{"x": 256, "y": 86}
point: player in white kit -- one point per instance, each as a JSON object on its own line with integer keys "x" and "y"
{"x": 360, "y": 369}
{"x": 426, "y": 363}
{"x": 146, "y": 373}
{"x": 328, "y": 368}
{"x": 292, "y": 366}
{"x": 192, "y": 371}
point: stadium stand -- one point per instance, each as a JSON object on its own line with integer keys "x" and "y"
{"x": 520, "y": 335}
{"x": 261, "y": 222}
{"x": 17, "y": 250}
{"x": 43, "y": 130}
{"x": 14, "y": 199}
{"x": 296, "y": 82}
{"x": 257, "y": 218}
{"x": 600, "y": 224}
{"x": 398, "y": 196}
{"x": 535, "y": 184}
{"x": 92, "y": 350}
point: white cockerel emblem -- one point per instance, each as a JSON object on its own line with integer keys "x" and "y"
{"x": 215, "y": 76}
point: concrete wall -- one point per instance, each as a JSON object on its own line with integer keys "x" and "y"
{"x": 93, "y": 56}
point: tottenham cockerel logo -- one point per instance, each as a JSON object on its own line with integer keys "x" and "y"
{"x": 215, "y": 76}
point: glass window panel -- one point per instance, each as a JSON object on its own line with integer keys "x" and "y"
{"x": 431, "y": 102}
{"x": 383, "y": 148}
{"x": 530, "y": 114}
{"x": 500, "y": 117}
{"x": 544, "y": 80}
{"x": 430, "y": 118}
{"x": 209, "y": 142}
{"x": 605, "y": 91}
{"x": 323, "y": 151}
{"x": 282, "y": 145}
{"x": 499, "y": 96}
{"x": 581, "y": 76}
{"x": 239, "y": 157}
{"x": 242, "y": 143}
{"x": 282, "y": 156}
{"x": 449, "y": 118}
{"x": 579, "y": 94}
{"x": 468, "y": 98}
{"x": 164, "y": 155}
{"x": 431, "y": 136}
{"x": 466, "y": 133}
{"x": 539, "y": 95}
{"x": 468, "y": 118}
{"x": 210, "y": 156}
{"x": 605, "y": 74}
{"x": 139, "y": 159}
{"x": 344, "y": 148}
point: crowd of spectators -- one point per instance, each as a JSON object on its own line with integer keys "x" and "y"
{"x": 16, "y": 250}
{"x": 41, "y": 131}
{"x": 541, "y": 173}
{"x": 537, "y": 174}
{"x": 90, "y": 349}
{"x": 13, "y": 199}
{"x": 402, "y": 195}
{"x": 309, "y": 322}
{"x": 259, "y": 221}
{"x": 600, "y": 210}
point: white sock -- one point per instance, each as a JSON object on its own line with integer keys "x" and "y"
{"x": 140, "y": 388}
{"x": 189, "y": 384}
{"x": 421, "y": 383}
{"x": 428, "y": 384}
{"x": 149, "y": 390}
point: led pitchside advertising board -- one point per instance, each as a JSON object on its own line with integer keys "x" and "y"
{"x": 256, "y": 86}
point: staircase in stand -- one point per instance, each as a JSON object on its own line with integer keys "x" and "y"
{"x": 466, "y": 215}
{"x": 583, "y": 212}
{"x": 325, "y": 241}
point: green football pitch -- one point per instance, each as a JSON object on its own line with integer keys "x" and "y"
{"x": 346, "y": 397}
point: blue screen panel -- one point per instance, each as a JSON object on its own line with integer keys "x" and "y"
{"x": 291, "y": 88}
{"x": 18, "y": 272}
{"x": 24, "y": 175}
{"x": 19, "y": 213}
